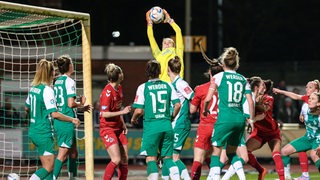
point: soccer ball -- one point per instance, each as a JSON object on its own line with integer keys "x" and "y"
{"x": 13, "y": 176}
{"x": 156, "y": 14}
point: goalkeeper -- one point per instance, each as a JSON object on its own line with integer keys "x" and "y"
{"x": 170, "y": 49}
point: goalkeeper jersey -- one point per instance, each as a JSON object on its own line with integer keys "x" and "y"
{"x": 41, "y": 103}
{"x": 165, "y": 55}
{"x": 155, "y": 97}
{"x": 64, "y": 88}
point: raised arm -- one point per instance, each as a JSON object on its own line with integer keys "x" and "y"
{"x": 287, "y": 93}
{"x": 153, "y": 43}
{"x": 179, "y": 47}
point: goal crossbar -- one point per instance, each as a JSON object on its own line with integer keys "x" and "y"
{"x": 85, "y": 17}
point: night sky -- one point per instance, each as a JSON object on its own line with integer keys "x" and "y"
{"x": 284, "y": 32}
{"x": 260, "y": 30}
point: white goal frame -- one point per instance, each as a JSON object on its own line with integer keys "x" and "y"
{"x": 86, "y": 58}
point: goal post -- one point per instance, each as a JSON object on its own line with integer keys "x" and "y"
{"x": 28, "y": 34}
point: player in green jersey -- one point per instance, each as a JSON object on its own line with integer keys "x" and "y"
{"x": 311, "y": 139}
{"x": 181, "y": 124}
{"x": 41, "y": 107}
{"x": 230, "y": 125}
{"x": 153, "y": 100}
{"x": 65, "y": 93}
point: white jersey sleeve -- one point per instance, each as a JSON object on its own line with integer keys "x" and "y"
{"x": 184, "y": 88}
{"x": 70, "y": 87}
{"x": 218, "y": 78}
{"x": 139, "y": 99}
{"x": 48, "y": 98}
{"x": 247, "y": 87}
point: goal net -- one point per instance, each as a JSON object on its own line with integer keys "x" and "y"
{"x": 27, "y": 35}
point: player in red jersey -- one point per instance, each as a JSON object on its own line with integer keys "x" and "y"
{"x": 202, "y": 144}
{"x": 266, "y": 129}
{"x": 312, "y": 86}
{"x": 113, "y": 130}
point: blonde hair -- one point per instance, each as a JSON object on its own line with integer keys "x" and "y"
{"x": 230, "y": 58}
{"x": 316, "y": 84}
{"x": 44, "y": 73}
{"x": 113, "y": 72}
{"x": 169, "y": 39}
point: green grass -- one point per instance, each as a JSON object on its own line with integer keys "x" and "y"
{"x": 270, "y": 176}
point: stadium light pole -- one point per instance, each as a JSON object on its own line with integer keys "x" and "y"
{"x": 187, "y": 57}
{"x": 220, "y": 26}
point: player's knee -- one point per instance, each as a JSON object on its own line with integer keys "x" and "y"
{"x": 245, "y": 158}
{"x": 284, "y": 152}
{"x": 116, "y": 160}
{"x": 73, "y": 154}
{"x": 49, "y": 167}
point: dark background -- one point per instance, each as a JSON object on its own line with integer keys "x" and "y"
{"x": 274, "y": 38}
{"x": 265, "y": 30}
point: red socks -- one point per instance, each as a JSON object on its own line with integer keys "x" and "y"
{"x": 123, "y": 171}
{"x": 254, "y": 163}
{"x": 108, "y": 173}
{"x": 279, "y": 164}
{"x": 196, "y": 170}
{"x": 303, "y": 158}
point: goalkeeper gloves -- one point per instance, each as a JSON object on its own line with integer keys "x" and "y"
{"x": 149, "y": 21}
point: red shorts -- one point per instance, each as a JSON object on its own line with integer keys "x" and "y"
{"x": 110, "y": 137}
{"x": 263, "y": 137}
{"x": 203, "y": 138}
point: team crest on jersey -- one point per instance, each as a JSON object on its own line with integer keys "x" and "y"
{"x": 188, "y": 90}
{"x": 73, "y": 88}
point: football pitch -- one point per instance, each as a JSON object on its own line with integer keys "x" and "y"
{"x": 271, "y": 176}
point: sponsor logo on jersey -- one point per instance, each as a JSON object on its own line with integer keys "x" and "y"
{"x": 73, "y": 88}
{"x": 136, "y": 98}
{"x": 188, "y": 90}
{"x": 104, "y": 107}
